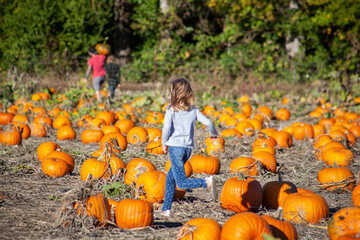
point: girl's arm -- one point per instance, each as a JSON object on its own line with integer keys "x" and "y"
{"x": 207, "y": 122}
{"x": 166, "y": 127}
{"x": 88, "y": 70}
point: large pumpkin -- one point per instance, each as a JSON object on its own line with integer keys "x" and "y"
{"x": 10, "y": 137}
{"x": 267, "y": 160}
{"x": 91, "y": 135}
{"x": 305, "y": 208}
{"x": 155, "y": 147}
{"x": 245, "y": 226}
{"x": 45, "y": 148}
{"x": 55, "y": 167}
{"x": 205, "y": 164}
{"x": 356, "y": 196}
{"x": 135, "y": 167}
{"x": 340, "y": 178}
{"x": 38, "y": 129}
{"x": 239, "y": 194}
{"x": 131, "y": 213}
{"x": 246, "y": 165}
{"x": 344, "y": 221}
{"x": 97, "y": 206}
{"x": 137, "y": 135}
{"x": 64, "y": 156}
{"x": 116, "y": 140}
{"x": 151, "y": 186}
{"x": 275, "y": 193}
{"x": 200, "y": 228}
{"x": 97, "y": 168}
{"x": 115, "y": 162}
{"x": 23, "y": 128}
{"x": 124, "y": 125}
{"x": 66, "y": 133}
{"x": 280, "y": 228}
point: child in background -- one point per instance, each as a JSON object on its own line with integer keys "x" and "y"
{"x": 113, "y": 75}
{"x": 177, "y": 139}
{"x": 96, "y": 64}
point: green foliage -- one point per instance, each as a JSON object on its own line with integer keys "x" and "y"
{"x": 35, "y": 33}
{"x": 221, "y": 38}
{"x": 117, "y": 189}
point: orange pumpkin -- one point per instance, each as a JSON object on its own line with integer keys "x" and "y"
{"x": 10, "y": 137}
{"x": 356, "y": 196}
{"x": 6, "y": 118}
{"x": 339, "y": 156}
{"x": 20, "y": 118}
{"x": 124, "y": 125}
{"x": 283, "y": 139}
{"x": 282, "y": 114}
{"x": 153, "y": 133}
{"x": 97, "y": 168}
{"x": 239, "y": 194}
{"x": 137, "y": 135}
{"x": 98, "y": 206}
{"x": 23, "y": 128}
{"x": 131, "y": 213}
{"x": 200, "y": 228}
{"x": 66, "y": 133}
{"x": 151, "y": 186}
{"x": 45, "y": 148}
{"x": 115, "y": 139}
{"x": 246, "y": 226}
{"x": 275, "y": 193}
{"x": 305, "y": 208}
{"x": 43, "y": 119}
{"x": 231, "y": 132}
{"x": 55, "y": 167}
{"x": 280, "y": 228}
{"x": 267, "y": 160}
{"x": 245, "y": 128}
{"x": 91, "y": 136}
{"x": 344, "y": 221}
{"x": 205, "y": 164}
{"x": 155, "y": 147}
{"x": 246, "y": 165}
{"x": 340, "y": 178}
{"x": 38, "y": 129}
{"x": 64, "y": 156}
{"x": 60, "y": 122}
{"x": 302, "y": 131}
{"x": 135, "y": 167}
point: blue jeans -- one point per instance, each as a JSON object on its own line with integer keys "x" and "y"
{"x": 177, "y": 176}
{"x": 112, "y": 91}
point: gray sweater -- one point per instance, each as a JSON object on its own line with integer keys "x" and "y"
{"x": 178, "y": 129}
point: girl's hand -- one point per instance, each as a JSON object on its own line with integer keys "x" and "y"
{"x": 165, "y": 149}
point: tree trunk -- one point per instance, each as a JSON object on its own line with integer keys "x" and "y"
{"x": 122, "y": 36}
{"x": 292, "y": 43}
{"x": 164, "y": 6}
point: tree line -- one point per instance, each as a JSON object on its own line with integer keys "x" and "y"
{"x": 297, "y": 40}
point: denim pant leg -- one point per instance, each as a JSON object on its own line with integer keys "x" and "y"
{"x": 176, "y": 174}
{"x": 112, "y": 91}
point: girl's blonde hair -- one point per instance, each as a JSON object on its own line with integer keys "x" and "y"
{"x": 181, "y": 95}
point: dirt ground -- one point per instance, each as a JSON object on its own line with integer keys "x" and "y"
{"x": 31, "y": 203}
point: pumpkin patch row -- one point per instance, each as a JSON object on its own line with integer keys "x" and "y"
{"x": 242, "y": 195}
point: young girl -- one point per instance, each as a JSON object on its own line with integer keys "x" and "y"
{"x": 177, "y": 139}
{"x": 96, "y": 64}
